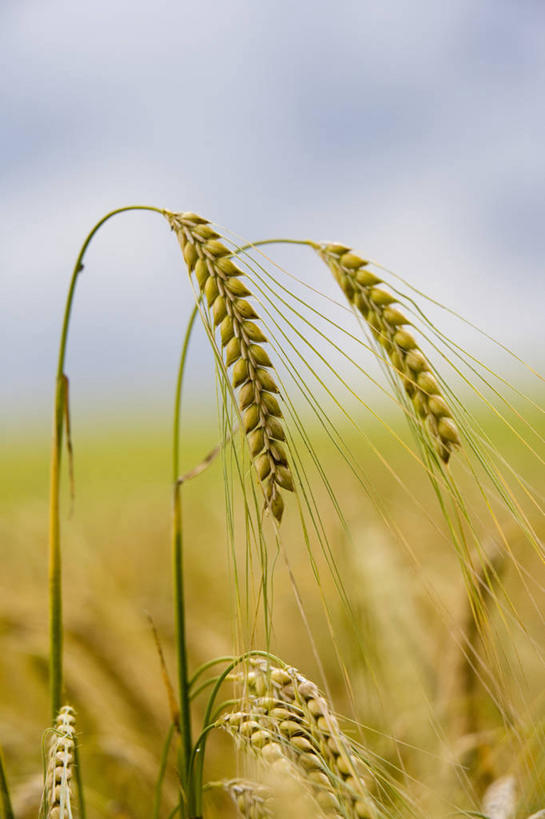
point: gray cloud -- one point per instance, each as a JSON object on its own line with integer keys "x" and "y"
{"x": 413, "y": 130}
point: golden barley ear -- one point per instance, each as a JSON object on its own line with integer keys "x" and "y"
{"x": 57, "y": 798}
{"x": 283, "y": 745}
{"x": 388, "y": 326}
{"x": 289, "y": 723}
{"x": 219, "y": 280}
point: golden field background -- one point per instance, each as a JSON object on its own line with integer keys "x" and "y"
{"x": 402, "y": 641}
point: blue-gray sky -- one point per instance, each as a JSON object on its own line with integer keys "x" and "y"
{"x": 411, "y": 129}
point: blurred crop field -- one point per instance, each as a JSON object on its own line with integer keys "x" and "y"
{"x": 394, "y": 660}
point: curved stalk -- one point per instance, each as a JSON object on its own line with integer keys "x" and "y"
{"x": 262, "y": 242}
{"x": 55, "y": 576}
{"x": 203, "y": 686}
{"x": 209, "y": 664}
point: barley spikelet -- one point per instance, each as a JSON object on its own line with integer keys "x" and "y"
{"x": 388, "y": 325}
{"x": 499, "y": 801}
{"x": 296, "y": 701}
{"x": 285, "y": 747}
{"x": 60, "y": 762}
{"x": 289, "y": 686}
{"x": 241, "y": 339}
{"x": 253, "y": 800}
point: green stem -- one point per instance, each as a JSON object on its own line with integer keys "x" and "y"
{"x": 262, "y": 242}
{"x": 209, "y": 664}
{"x": 179, "y": 602}
{"x": 4, "y": 791}
{"x": 55, "y": 577}
{"x": 202, "y": 687}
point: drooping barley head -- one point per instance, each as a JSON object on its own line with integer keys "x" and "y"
{"x": 389, "y": 327}
{"x": 218, "y": 279}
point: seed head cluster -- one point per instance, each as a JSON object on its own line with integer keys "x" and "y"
{"x": 57, "y": 795}
{"x": 283, "y": 744}
{"x": 388, "y": 325}
{"x": 218, "y": 279}
{"x": 289, "y": 723}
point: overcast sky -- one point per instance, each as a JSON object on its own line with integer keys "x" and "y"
{"x": 411, "y": 129}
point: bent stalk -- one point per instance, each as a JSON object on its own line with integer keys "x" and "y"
{"x": 55, "y": 567}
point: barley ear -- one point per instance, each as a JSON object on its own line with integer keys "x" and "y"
{"x": 60, "y": 766}
{"x": 302, "y": 719}
{"x": 389, "y": 327}
{"x": 290, "y": 686}
{"x": 218, "y": 279}
{"x": 283, "y": 745}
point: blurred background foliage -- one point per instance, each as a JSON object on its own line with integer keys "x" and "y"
{"x": 409, "y": 609}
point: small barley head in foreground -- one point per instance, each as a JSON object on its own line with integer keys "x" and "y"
{"x": 219, "y": 281}
{"x": 60, "y": 762}
{"x": 388, "y": 325}
{"x": 283, "y": 701}
{"x": 253, "y": 800}
{"x": 286, "y": 750}
{"x": 499, "y": 801}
